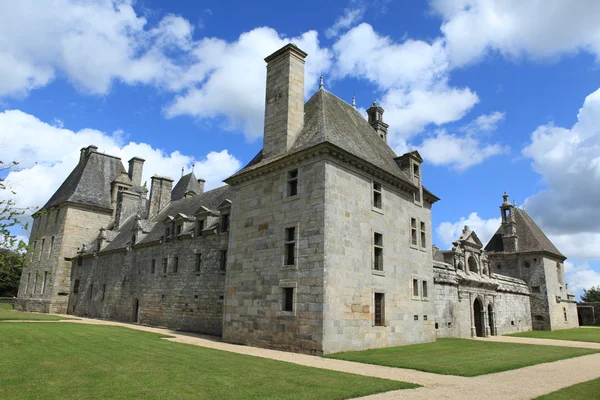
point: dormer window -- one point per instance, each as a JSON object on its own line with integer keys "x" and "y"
{"x": 292, "y": 183}
{"x": 225, "y": 223}
{"x": 167, "y": 233}
{"x": 200, "y": 227}
{"x": 178, "y": 229}
{"x": 416, "y": 171}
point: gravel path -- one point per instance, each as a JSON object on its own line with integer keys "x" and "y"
{"x": 525, "y": 383}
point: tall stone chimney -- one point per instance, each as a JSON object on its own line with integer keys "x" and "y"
{"x": 136, "y": 167}
{"x": 510, "y": 240}
{"x": 284, "y": 103}
{"x": 160, "y": 194}
{"x": 201, "y": 185}
{"x": 375, "y": 114}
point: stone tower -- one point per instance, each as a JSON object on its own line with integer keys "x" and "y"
{"x": 520, "y": 249}
{"x": 89, "y": 199}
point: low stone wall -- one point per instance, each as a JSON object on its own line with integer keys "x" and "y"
{"x": 589, "y": 314}
{"x": 9, "y": 300}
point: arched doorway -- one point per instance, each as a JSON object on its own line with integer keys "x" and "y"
{"x": 136, "y": 311}
{"x": 491, "y": 317}
{"x": 478, "y": 317}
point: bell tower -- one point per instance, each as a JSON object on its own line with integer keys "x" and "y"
{"x": 509, "y": 226}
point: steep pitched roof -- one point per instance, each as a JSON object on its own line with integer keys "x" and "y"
{"x": 530, "y": 237}
{"x": 327, "y": 118}
{"x": 89, "y": 183}
{"x": 187, "y": 183}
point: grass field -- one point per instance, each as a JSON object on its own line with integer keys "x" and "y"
{"x": 73, "y": 361}
{"x": 7, "y": 313}
{"x": 463, "y": 357}
{"x": 577, "y": 334}
{"x": 586, "y": 390}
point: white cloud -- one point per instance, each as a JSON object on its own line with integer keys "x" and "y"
{"x": 232, "y": 77}
{"x": 351, "y": 16}
{"x": 568, "y": 160}
{"x": 48, "y": 154}
{"x": 537, "y": 29}
{"x": 412, "y": 76}
{"x": 484, "y": 123}
{"x": 484, "y": 228}
{"x": 581, "y": 276}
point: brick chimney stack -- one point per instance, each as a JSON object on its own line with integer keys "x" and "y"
{"x": 284, "y": 103}
{"x": 160, "y": 194}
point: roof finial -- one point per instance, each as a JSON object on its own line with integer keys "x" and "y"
{"x": 193, "y": 165}
{"x": 353, "y": 100}
{"x": 181, "y": 171}
{"x": 321, "y": 84}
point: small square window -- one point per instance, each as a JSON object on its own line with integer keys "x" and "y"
{"x": 416, "y": 317}
{"x": 288, "y": 299}
{"x": 536, "y": 289}
{"x": 424, "y": 317}
{"x": 292, "y": 183}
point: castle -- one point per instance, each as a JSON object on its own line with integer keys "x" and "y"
{"x": 321, "y": 244}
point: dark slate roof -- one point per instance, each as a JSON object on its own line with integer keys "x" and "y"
{"x": 530, "y": 237}
{"x": 328, "y": 118}
{"x": 89, "y": 183}
{"x": 186, "y": 184}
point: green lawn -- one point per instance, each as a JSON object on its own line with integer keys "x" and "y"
{"x": 586, "y": 390}
{"x": 577, "y": 334}
{"x": 73, "y": 361}
{"x": 7, "y": 313}
{"x": 463, "y": 357}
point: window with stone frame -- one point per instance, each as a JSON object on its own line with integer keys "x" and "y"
{"x": 75, "y": 286}
{"x": 153, "y": 266}
{"x": 565, "y": 313}
{"x": 103, "y": 291}
{"x": 223, "y": 260}
{"x": 225, "y": 223}
{"x": 377, "y": 251}
{"x": 178, "y": 229}
{"x": 377, "y": 195}
{"x": 425, "y": 291}
{"x": 423, "y": 235}
{"x": 287, "y": 303}
{"x": 175, "y": 264}
{"x": 379, "y": 304}
{"x": 51, "y": 247}
{"x": 536, "y": 289}
{"x": 198, "y": 261}
{"x": 414, "y": 240}
{"x": 200, "y": 227}
{"x": 290, "y": 246}
{"x": 415, "y": 288}
{"x": 165, "y": 263}
{"x": 292, "y": 183}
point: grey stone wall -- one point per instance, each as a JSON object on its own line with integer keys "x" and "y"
{"x": 350, "y": 279}
{"x": 112, "y": 285}
{"x": 256, "y": 276}
{"x": 589, "y": 313}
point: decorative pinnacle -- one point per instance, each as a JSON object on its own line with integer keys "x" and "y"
{"x": 353, "y": 100}
{"x": 321, "y": 84}
{"x": 181, "y": 171}
{"x": 193, "y": 165}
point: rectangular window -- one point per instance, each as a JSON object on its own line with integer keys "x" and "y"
{"x": 413, "y": 232}
{"x": 425, "y": 293}
{"x": 103, "y": 291}
{"x": 292, "y": 183}
{"x": 76, "y": 286}
{"x": 423, "y": 240}
{"x": 153, "y": 266}
{"x": 91, "y": 291}
{"x": 223, "y": 260}
{"x": 51, "y": 247}
{"x": 42, "y": 249}
{"x": 165, "y": 262}
{"x": 176, "y": 264}
{"x": 198, "y": 261}
{"x": 34, "y": 283}
{"x": 178, "y": 229}
{"x": 168, "y": 233}
{"x": 377, "y": 198}
{"x": 288, "y": 299}
{"x": 415, "y": 287}
{"x": 225, "y": 223}
{"x": 565, "y": 313}
{"x": 290, "y": 246}
{"x": 379, "y": 309}
{"x": 200, "y": 227}
{"x": 378, "y": 251}
{"x": 44, "y": 282}
{"x": 535, "y": 289}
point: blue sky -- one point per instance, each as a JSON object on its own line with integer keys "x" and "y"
{"x": 496, "y": 95}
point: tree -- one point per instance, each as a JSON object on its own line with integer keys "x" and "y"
{"x": 591, "y": 295}
{"x": 12, "y": 248}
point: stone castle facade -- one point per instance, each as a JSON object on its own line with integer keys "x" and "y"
{"x": 321, "y": 244}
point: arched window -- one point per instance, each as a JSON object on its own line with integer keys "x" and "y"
{"x": 473, "y": 265}
{"x": 461, "y": 266}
